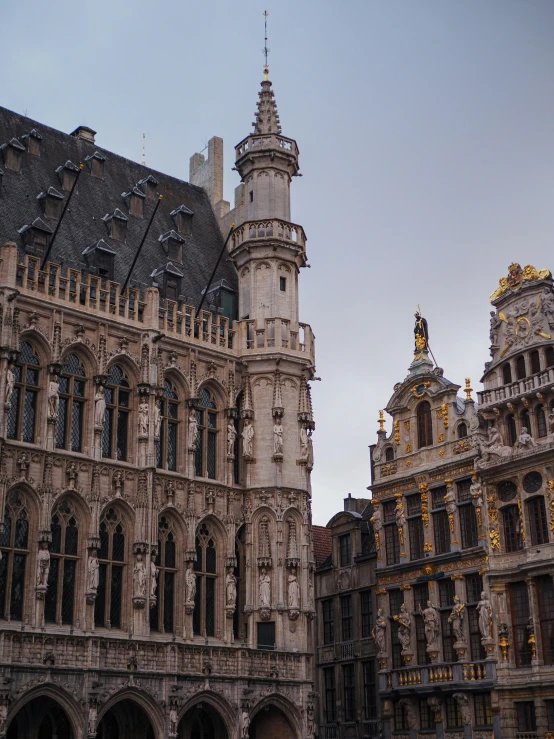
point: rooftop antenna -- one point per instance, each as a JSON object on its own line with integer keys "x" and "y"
{"x": 265, "y": 50}
{"x": 144, "y": 149}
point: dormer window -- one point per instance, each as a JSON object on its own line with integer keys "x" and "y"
{"x": 36, "y": 237}
{"x": 168, "y": 280}
{"x": 67, "y": 174}
{"x": 117, "y": 224}
{"x": 173, "y": 246}
{"x": 32, "y": 141}
{"x": 101, "y": 256}
{"x": 182, "y": 217}
{"x": 12, "y": 153}
{"x": 150, "y": 187}
{"x": 52, "y": 202}
{"x": 135, "y": 199}
{"x": 96, "y": 165}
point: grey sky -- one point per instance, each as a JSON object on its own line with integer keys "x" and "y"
{"x": 425, "y": 130}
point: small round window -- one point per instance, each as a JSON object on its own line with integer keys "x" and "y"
{"x": 507, "y": 490}
{"x": 532, "y": 482}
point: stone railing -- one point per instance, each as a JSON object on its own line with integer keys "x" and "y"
{"x": 329, "y": 731}
{"x": 346, "y": 650}
{"x": 371, "y": 729}
{"x": 499, "y": 395}
{"x": 274, "y": 334}
{"x": 207, "y": 328}
{"x": 266, "y": 141}
{"x": 271, "y": 229}
{"x": 457, "y": 672}
{"x": 542, "y": 445}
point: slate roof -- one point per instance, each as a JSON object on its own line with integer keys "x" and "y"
{"x": 323, "y": 547}
{"x": 83, "y": 226}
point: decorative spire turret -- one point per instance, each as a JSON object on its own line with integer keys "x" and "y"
{"x": 267, "y": 117}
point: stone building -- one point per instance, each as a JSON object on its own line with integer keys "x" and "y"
{"x": 156, "y": 571}
{"x": 346, "y": 666}
{"x": 464, "y": 526}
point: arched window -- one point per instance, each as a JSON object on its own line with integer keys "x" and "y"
{"x": 462, "y": 430}
{"x": 549, "y": 356}
{"x": 512, "y": 529}
{"x": 541, "y": 421}
{"x": 535, "y": 362}
{"x": 111, "y": 557}
{"x": 116, "y": 420}
{"x": 526, "y": 421}
{"x": 424, "y": 425}
{"x": 239, "y": 617}
{"x": 203, "y": 620}
{"x": 521, "y": 372}
{"x": 22, "y": 414}
{"x": 512, "y": 430}
{"x": 60, "y": 596}
{"x": 166, "y": 446}
{"x": 507, "y": 374}
{"x": 206, "y": 440}
{"x": 389, "y": 454}
{"x": 69, "y": 426}
{"x": 162, "y": 615}
{"x": 14, "y": 547}
{"x": 537, "y": 520}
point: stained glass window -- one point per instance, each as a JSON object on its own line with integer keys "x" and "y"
{"x": 60, "y": 596}
{"x": 206, "y": 441}
{"x": 112, "y": 558}
{"x": 69, "y": 424}
{"x": 21, "y": 417}
{"x": 14, "y": 548}
{"x": 166, "y": 446}
{"x": 117, "y": 395}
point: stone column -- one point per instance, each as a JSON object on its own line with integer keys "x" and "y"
{"x": 535, "y": 636}
{"x": 461, "y": 647}
{"x": 402, "y": 528}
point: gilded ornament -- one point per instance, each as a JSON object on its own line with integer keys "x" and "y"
{"x": 468, "y": 389}
{"x": 381, "y": 421}
{"x": 521, "y": 528}
{"x": 418, "y": 391}
{"x": 441, "y": 453}
{"x": 495, "y": 539}
{"x": 451, "y": 522}
{"x": 516, "y": 276}
{"x": 552, "y": 515}
{"x": 408, "y": 448}
{"x": 427, "y": 547}
{"x": 407, "y": 425}
{"x": 397, "y": 432}
{"x": 441, "y": 438}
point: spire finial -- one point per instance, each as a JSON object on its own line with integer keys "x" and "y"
{"x": 265, "y": 49}
{"x": 144, "y": 149}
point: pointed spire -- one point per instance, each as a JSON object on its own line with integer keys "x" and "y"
{"x": 247, "y": 410}
{"x": 267, "y": 117}
{"x": 278, "y": 407}
{"x": 305, "y": 411}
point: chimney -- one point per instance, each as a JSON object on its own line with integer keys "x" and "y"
{"x": 84, "y": 133}
{"x": 350, "y": 504}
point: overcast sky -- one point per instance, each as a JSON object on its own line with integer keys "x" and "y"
{"x": 425, "y": 130}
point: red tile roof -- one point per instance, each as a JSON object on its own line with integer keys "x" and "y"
{"x": 322, "y": 544}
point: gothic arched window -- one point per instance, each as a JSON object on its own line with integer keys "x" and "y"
{"x": 166, "y": 446}
{"x": 162, "y": 615}
{"x": 507, "y": 374}
{"x": 541, "y": 421}
{"x": 513, "y": 540}
{"x": 69, "y": 426}
{"x": 537, "y": 520}
{"x": 111, "y": 556}
{"x": 14, "y": 547}
{"x": 203, "y": 620}
{"x": 22, "y": 414}
{"x": 512, "y": 430}
{"x": 521, "y": 370}
{"x": 239, "y": 618}
{"x": 64, "y": 550}
{"x": 462, "y": 430}
{"x": 424, "y": 425}
{"x": 206, "y": 440}
{"x": 117, "y": 395}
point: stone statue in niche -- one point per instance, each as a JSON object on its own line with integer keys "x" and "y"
{"x": 193, "y": 429}
{"x": 525, "y": 440}
{"x": 404, "y": 621}
{"x": 157, "y": 420}
{"x": 231, "y": 588}
{"x": 431, "y": 619}
{"x": 463, "y": 704}
{"x": 484, "y": 609}
{"x": 303, "y": 441}
{"x": 411, "y": 715}
{"x": 53, "y": 397}
{"x": 10, "y": 383}
{"x": 143, "y": 417}
{"x": 173, "y": 721}
{"x": 190, "y": 584}
{"x": 93, "y": 571}
{"x": 245, "y": 724}
{"x": 153, "y": 575}
{"x": 265, "y": 589}
{"x": 277, "y": 437}
{"x": 456, "y": 618}
{"x": 99, "y": 407}
{"x": 3, "y": 717}
{"x": 231, "y": 437}
{"x": 294, "y": 590}
{"x": 547, "y": 301}
{"x": 247, "y": 438}
{"x": 139, "y": 577}
{"x": 92, "y": 719}
{"x": 43, "y": 565}
{"x": 495, "y": 329}
{"x": 379, "y": 632}
{"x": 551, "y": 421}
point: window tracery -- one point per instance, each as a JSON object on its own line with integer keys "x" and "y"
{"x": 14, "y": 547}
{"x": 21, "y": 421}
{"x": 206, "y": 439}
{"x": 166, "y": 445}
{"x": 112, "y": 559}
{"x": 203, "y": 620}
{"x": 163, "y": 614}
{"x": 117, "y": 395}
{"x": 64, "y": 556}
{"x": 69, "y": 424}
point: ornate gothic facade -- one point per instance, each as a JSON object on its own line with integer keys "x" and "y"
{"x": 156, "y": 571}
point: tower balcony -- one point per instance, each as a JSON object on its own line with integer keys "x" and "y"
{"x": 274, "y": 335}
{"x": 266, "y": 142}
{"x": 270, "y": 231}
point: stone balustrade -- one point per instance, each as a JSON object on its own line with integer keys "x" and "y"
{"x": 457, "y": 672}
{"x": 501, "y": 395}
{"x": 266, "y": 141}
{"x": 271, "y": 229}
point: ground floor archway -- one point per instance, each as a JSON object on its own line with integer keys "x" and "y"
{"x": 202, "y": 721}
{"x": 125, "y": 720}
{"x": 271, "y": 722}
{"x": 40, "y": 718}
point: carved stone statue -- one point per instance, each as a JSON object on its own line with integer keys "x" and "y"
{"x": 525, "y": 440}
{"x": 153, "y": 576}
{"x": 421, "y": 334}
{"x": 157, "y": 420}
{"x": 265, "y": 589}
{"x": 43, "y": 565}
{"x": 476, "y": 491}
{"x": 245, "y": 724}
{"x": 293, "y": 590}
{"x": 463, "y": 704}
{"x": 431, "y": 619}
{"x": 399, "y": 514}
{"x": 173, "y": 721}
{"x": 92, "y": 718}
{"x": 303, "y": 441}
{"x": 547, "y": 303}
{"x": 247, "y": 438}
{"x": 484, "y": 609}
{"x": 139, "y": 577}
{"x": 231, "y": 588}
{"x": 495, "y": 328}
{"x": 377, "y": 520}
{"x": 411, "y": 714}
{"x": 93, "y": 571}
{"x": 53, "y": 397}
{"x": 231, "y": 437}
{"x": 277, "y": 437}
{"x": 10, "y": 382}
{"x": 551, "y": 420}
{"x": 3, "y": 717}
{"x": 404, "y": 621}
{"x": 143, "y": 418}
{"x": 379, "y": 632}
{"x": 193, "y": 429}
{"x": 190, "y": 584}
{"x": 99, "y": 407}
{"x": 450, "y": 500}
{"x": 456, "y": 618}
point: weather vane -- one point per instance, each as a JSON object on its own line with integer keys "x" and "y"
{"x": 265, "y": 50}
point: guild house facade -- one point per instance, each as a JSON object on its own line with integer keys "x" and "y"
{"x": 463, "y": 498}
{"x": 156, "y": 571}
